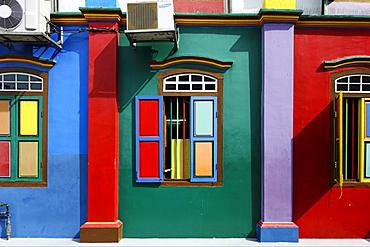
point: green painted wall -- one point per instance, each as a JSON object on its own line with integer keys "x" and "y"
{"x": 230, "y": 210}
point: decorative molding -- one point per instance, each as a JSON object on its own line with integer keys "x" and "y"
{"x": 186, "y": 60}
{"x": 68, "y": 19}
{"x": 28, "y": 60}
{"x": 347, "y": 61}
{"x": 265, "y": 15}
{"x": 102, "y": 14}
{"x": 334, "y": 21}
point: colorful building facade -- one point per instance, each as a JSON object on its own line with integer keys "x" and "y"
{"x": 253, "y": 125}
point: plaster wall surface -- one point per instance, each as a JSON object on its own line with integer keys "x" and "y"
{"x": 187, "y": 6}
{"x": 321, "y": 210}
{"x": 230, "y": 210}
{"x": 59, "y": 209}
{"x": 277, "y": 125}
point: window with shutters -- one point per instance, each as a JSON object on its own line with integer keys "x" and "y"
{"x": 351, "y": 127}
{"x": 178, "y": 139}
{"x": 23, "y": 104}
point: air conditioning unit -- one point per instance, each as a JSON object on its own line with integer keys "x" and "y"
{"x": 25, "y": 21}
{"x": 144, "y": 15}
{"x": 150, "y": 20}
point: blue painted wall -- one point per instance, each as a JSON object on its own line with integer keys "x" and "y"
{"x": 101, "y": 3}
{"x": 59, "y": 209}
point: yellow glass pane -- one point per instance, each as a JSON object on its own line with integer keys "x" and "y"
{"x": 178, "y": 171}
{"x": 28, "y": 118}
{"x": 4, "y": 117}
{"x": 203, "y": 159}
{"x": 28, "y": 159}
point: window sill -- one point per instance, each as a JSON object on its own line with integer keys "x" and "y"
{"x": 187, "y": 183}
{"x": 42, "y": 184}
{"x": 353, "y": 184}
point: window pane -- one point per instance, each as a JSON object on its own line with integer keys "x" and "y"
{"x": 343, "y": 80}
{"x": 4, "y": 117}
{"x": 354, "y": 87}
{"x": 8, "y": 85}
{"x": 203, "y": 159}
{"x": 22, "y": 77}
{"x": 4, "y": 159}
{"x": 184, "y": 86}
{"x": 365, "y": 87}
{"x": 210, "y": 87}
{"x": 148, "y": 117}
{"x": 196, "y": 78}
{"x": 342, "y": 87}
{"x": 367, "y": 161}
{"x": 28, "y": 117}
{"x": 22, "y": 86}
{"x": 149, "y": 159}
{"x": 354, "y": 79}
{"x": 184, "y": 78}
{"x": 28, "y": 159}
{"x": 203, "y": 122}
{"x": 197, "y": 86}
{"x": 365, "y": 79}
{"x": 171, "y": 78}
{"x": 35, "y": 78}
{"x": 170, "y": 86}
{"x": 9, "y": 77}
{"x": 36, "y": 86}
{"x": 206, "y": 78}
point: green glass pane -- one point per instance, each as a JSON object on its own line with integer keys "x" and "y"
{"x": 203, "y": 119}
{"x": 367, "y": 161}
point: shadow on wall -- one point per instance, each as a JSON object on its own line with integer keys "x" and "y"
{"x": 134, "y": 72}
{"x": 311, "y": 170}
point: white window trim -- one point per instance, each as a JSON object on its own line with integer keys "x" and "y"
{"x": 190, "y": 83}
{"x": 2, "y": 89}
{"x": 348, "y": 83}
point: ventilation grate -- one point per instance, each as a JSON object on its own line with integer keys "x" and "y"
{"x": 142, "y": 16}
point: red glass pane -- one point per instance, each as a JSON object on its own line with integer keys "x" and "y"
{"x": 149, "y": 160}
{"x": 4, "y": 159}
{"x": 148, "y": 118}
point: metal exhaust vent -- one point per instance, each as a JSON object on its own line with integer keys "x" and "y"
{"x": 141, "y": 16}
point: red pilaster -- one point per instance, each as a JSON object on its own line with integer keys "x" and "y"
{"x": 102, "y": 211}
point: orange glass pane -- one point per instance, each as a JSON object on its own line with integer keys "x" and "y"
{"x": 204, "y": 159}
{"x": 28, "y": 159}
{"x": 4, "y": 117}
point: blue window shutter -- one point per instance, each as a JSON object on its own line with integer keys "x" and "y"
{"x": 149, "y": 138}
{"x": 203, "y": 139}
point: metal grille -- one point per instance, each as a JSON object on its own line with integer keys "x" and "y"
{"x": 142, "y": 16}
{"x": 16, "y": 14}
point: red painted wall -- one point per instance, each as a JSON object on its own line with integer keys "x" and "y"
{"x": 199, "y": 6}
{"x": 320, "y": 210}
{"x": 103, "y": 125}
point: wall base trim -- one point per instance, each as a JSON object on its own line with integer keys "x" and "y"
{"x": 277, "y": 232}
{"x": 101, "y": 232}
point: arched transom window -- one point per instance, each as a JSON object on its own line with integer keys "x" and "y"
{"x": 353, "y": 83}
{"x": 190, "y": 83}
{"x": 16, "y": 81}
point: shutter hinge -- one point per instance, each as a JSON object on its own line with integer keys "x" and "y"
{"x": 216, "y": 114}
{"x": 42, "y": 114}
{"x": 334, "y": 114}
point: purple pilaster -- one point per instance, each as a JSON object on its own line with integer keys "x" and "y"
{"x": 277, "y": 57}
